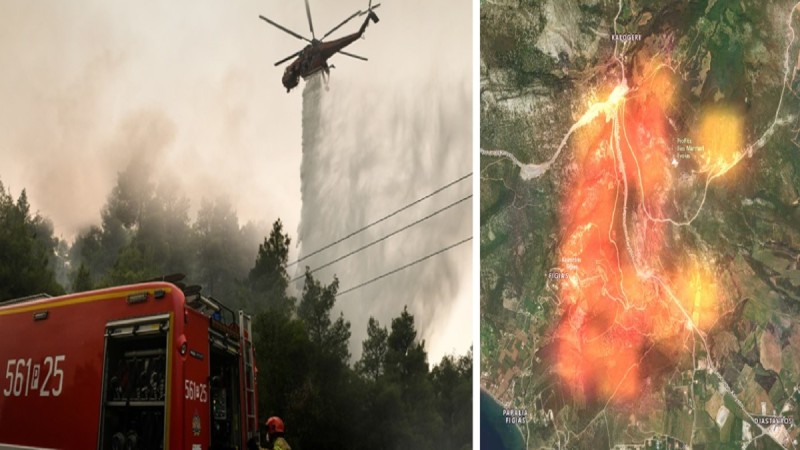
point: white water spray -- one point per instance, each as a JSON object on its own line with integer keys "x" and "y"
{"x": 367, "y": 152}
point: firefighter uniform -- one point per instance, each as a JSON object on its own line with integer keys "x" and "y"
{"x": 275, "y": 430}
{"x": 281, "y": 444}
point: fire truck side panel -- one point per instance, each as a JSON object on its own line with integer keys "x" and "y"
{"x": 195, "y": 420}
{"x": 51, "y": 363}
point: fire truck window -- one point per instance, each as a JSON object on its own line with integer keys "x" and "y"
{"x": 134, "y": 392}
{"x": 225, "y": 406}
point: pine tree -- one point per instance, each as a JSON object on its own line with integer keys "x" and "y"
{"x": 268, "y": 280}
{"x": 374, "y": 350}
{"x": 83, "y": 280}
{"x": 26, "y": 248}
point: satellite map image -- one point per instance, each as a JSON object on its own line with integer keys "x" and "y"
{"x": 640, "y": 224}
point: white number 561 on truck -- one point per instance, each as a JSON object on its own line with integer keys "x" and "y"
{"x": 145, "y": 366}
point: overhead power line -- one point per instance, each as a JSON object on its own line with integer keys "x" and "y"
{"x": 364, "y": 247}
{"x": 404, "y": 267}
{"x": 381, "y": 219}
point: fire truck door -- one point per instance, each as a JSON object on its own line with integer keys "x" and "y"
{"x": 224, "y": 382}
{"x": 134, "y": 384}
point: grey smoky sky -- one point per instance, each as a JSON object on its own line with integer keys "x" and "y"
{"x": 188, "y": 90}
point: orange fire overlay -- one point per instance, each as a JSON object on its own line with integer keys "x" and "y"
{"x": 625, "y": 317}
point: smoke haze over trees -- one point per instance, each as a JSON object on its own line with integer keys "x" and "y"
{"x": 390, "y": 397}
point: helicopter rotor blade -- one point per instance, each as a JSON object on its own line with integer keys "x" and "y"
{"x": 355, "y": 14}
{"x": 310, "y": 24}
{"x": 371, "y": 8}
{"x": 282, "y": 28}
{"x": 352, "y": 55}
{"x": 288, "y": 58}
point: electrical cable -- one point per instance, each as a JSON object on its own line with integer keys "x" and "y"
{"x": 403, "y": 267}
{"x": 462, "y": 178}
{"x": 381, "y": 239}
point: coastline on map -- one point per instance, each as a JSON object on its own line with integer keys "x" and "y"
{"x": 495, "y": 433}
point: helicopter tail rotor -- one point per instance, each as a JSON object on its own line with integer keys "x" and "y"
{"x": 358, "y": 13}
{"x": 371, "y": 14}
{"x": 373, "y": 17}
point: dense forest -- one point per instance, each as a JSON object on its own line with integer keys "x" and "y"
{"x": 389, "y": 398}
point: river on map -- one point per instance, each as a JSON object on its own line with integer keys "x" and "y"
{"x": 495, "y": 433}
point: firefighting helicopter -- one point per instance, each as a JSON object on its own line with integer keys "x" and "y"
{"x": 314, "y": 57}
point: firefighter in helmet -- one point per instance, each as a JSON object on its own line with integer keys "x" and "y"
{"x": 275, "y": 430}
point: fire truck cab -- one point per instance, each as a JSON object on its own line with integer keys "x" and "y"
{"x": 145, "y": 366}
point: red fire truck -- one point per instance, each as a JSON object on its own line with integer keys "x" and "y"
{"x": 145, "y": 366}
